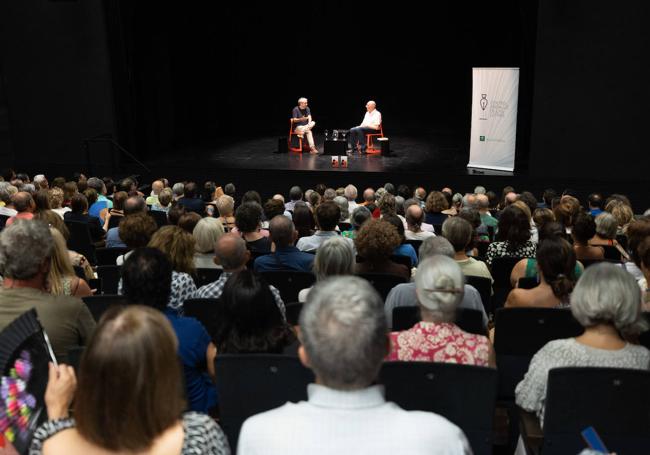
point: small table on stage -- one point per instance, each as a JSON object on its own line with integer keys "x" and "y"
{"x": 335, "y": 147}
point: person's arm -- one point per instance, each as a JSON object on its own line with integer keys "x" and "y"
{"x": 210, "y": 355}
{"x": 82, "y": 289}
{"x": 61, "y": 386}
{"x": 518, "y": 271}
{"x": 511, "y": 301}
{"x": 492, "y": 357}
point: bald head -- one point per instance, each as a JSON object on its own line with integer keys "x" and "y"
{"x": 414, "y": 217}
{"x": 420, "y": 193}
{"x": 483, "y": 202}
{"x": 282, "y": 231}
{"x": 511, "y": 197}
{"x": 23, "y": 202}
{"x": 369, "y": 195}
{"x": 231, "y": 253}
{"x": 157, "y": 186}
{"x": 134, "y": 204}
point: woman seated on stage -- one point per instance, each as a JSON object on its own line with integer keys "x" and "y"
{"x": 439, "y": 289}
{"x": 375, "y": 243}
{"x": 556, "y": 263}
{"x": 606, "y": 303}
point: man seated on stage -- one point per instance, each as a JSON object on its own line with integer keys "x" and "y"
{"x": 371, "y": 123}
{"x": 303, "y": 124}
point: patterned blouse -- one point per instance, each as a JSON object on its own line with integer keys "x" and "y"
{"x": 531, "y": 391}
{"x": 502, "y": 249}
{"x": 439, "y": 342}
{"x": 202, "y": 436}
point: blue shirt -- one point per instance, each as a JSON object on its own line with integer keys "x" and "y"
{"x": 297, "y": 113}
{"x": 113, "y": 239}
{"x": 406, "y": 249}
{"x": 288, "y": 258}
{"x": 193, "y": 341}
{"x": 96, "y": 209}
{"x": 596, "y": 212}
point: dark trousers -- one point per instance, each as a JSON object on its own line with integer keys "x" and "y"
{"x": 358, "y": 136}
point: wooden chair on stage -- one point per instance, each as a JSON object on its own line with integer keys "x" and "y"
{"x": 370, "y": 145}
{"x": 291, "y": 134}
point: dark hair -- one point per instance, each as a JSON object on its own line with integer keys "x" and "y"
{"x": 79, "y": 203}
{"x": 58, "y": 182}
{"x": 513, "y": 227}
{"x": 190, "y": 190}
{"x": 550, "y": 229}
{"x": 295, "y": 193}
{"x": 147, "y": 278}
{"x": 248, "y": 217}
{"x": 136, "y": 230}
{"x": 91, "y": 195}
{"x": 188, "y": 221}
{"x": 492, "y": 198}
{"x": 130, "y": 387}
{"x": 229, "y": 190}
{"x": 404, "y": 191}
{"x": 250, "y": 320}
{"x": 327, "y": 216}
{"x": 320, "y": 188}
{"x": 360, "y": 215}
{"x": 175, "y": 213}
{"x": 637, "y": 231}
{"x": 584, "y": 228}
{"x": 208, "y": 191}
{"x": 390, "y": 188}
{"x": 134, "y": 204}
{"x": 595, "y": 200}
{"x": 119, "y": 199}
{"x": 8, "y": 174}
{"x": 273, "y": 207}
{"x": 548, "y": 196}
{"x": 42, "y": 200}
{"x": 557, "y": 261}
{"x": 109, "y": 184}
{"x": 251, "y": 196}
{"x": 527, "y": 198}
{"x": 399, "y": 225}
{"x": 303, "y": 219}
{"x": 126, "y": 184}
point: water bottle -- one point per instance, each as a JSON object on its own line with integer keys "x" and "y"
{"x": 327, "y": 135}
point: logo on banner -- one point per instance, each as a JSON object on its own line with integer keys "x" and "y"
{"x": 481, "y": 138}
{"x": 483, "y": 103}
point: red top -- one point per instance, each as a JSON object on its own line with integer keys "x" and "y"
{"x": 439, "y": 342}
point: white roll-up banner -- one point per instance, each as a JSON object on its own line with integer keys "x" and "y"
{"x": 494, "y": 118}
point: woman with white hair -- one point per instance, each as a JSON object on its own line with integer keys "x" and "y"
{"x": 606, "y": 302}
{"x": 439, "y": 285}
{"x": 606, "y": 228}
{"x": 333, "y": 257}
{"x": 344, "y": 206}
{"x": 206, "y": 233}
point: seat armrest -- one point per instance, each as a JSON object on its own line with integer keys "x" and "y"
{"x": 531, "y": 431}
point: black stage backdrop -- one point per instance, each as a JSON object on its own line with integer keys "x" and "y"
{"x": 592, "y": 100}
{"x": 200, "y": 73}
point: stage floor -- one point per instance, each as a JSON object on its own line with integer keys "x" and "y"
{"x": 408, "y": 154}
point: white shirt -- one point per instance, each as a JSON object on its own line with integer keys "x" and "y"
{"x": 355, "y": 422}
{"x": 312, "y": 242}
{"x": 371, "y": 119}
{"x": 422, "y": 235}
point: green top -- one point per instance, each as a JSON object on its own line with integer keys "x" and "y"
{"x": 531, "y": 269}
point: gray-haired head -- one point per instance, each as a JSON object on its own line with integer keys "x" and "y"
{"x": 96, "y": 183}
{"x": 380, "y": 193}
{"x": 433, "y": 246}
{"x": 606, "y": 225}
{"x": 360, "y": 215}
{"x": 282, "y": 231}
{"x": 439, "y": 285}
{"x": 343, "y": 332}
{"x": 608, "y": 294}
{"x": 334, "y": 257}
{"x": 342, "y": 202}
{"x": 458, "y": 231}
{"x": 14, "y": 262}
{"x": 28, "y": 188}
{"x": 351, "y": 192}
{"x": 5, "y": 193}
{"x": 482, "y": 201}
{"x": 302, "y": 100}
{"x": 178, "y": 189}
{"x": 399, "y": 205}
{"x": 295, "y": 193}
{"x": 457, "y": 199}
{"x": 480, "y": 190}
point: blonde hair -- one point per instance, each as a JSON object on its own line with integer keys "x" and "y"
{"x": 178, "y": 246}
{"x": 206, "y": 233}
{"x": 60, "y": 267}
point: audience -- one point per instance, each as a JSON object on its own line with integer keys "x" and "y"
{"x": 295, "y": 195}
{"x": 403, "y": 249}
{"x": 435, "y": 204}
{"x": 334, "y": 257}
{"x": 459, "y": 233}
{"x": 127, "y": 399}
{"x": 156, "y": 188}
{"x": 343, "y": 335}
{"x": 375, "y": 243}
{"x": 226, "y": 209}
{"x": 23, "y": 204}
{"x": 132, "y": 205}
{"x": 556, "y": 263}
{"x": 249, "y": 320}
{"x": 606, "y": 227}
{"x": 359, "y": 216}
{"x": 637, "y": 232}
{"x": 303, "y": 219}
{"x": 66, "y": 319}
{"x": 606, "y": 303}
{"x": 206, "y": 233}
{"x": 584, "y": 229}
{"x": 116, "y": 213}
{"x": 190, "y": 200}
{"x": 163, "y": 201}
{"x": 232, "y": 255}
{"x": 513, "y": 236}
{"x": 439, "y": 289}
{"x": 327, "y": 219}
{"x": 414, "y": 220}
{"x": 147, "y": 280}
{"x": 248, "y": 221}
{"x": 136, "y": 231}
{"x": 285, "y": 256}
{"x": 62, "y": 279}
{"x": 404, "y": 294}
{"x": 178, "y": 246}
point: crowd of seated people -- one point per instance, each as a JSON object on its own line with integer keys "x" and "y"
{"x": 592, "y": 260}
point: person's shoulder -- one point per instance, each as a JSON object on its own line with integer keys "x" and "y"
{"x": 266, "y": 421}
{"x": 202, "y": 429}
{"x": 430, "y": 427}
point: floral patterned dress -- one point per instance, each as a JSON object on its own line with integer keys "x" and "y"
{"x": 439, "y": 342}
